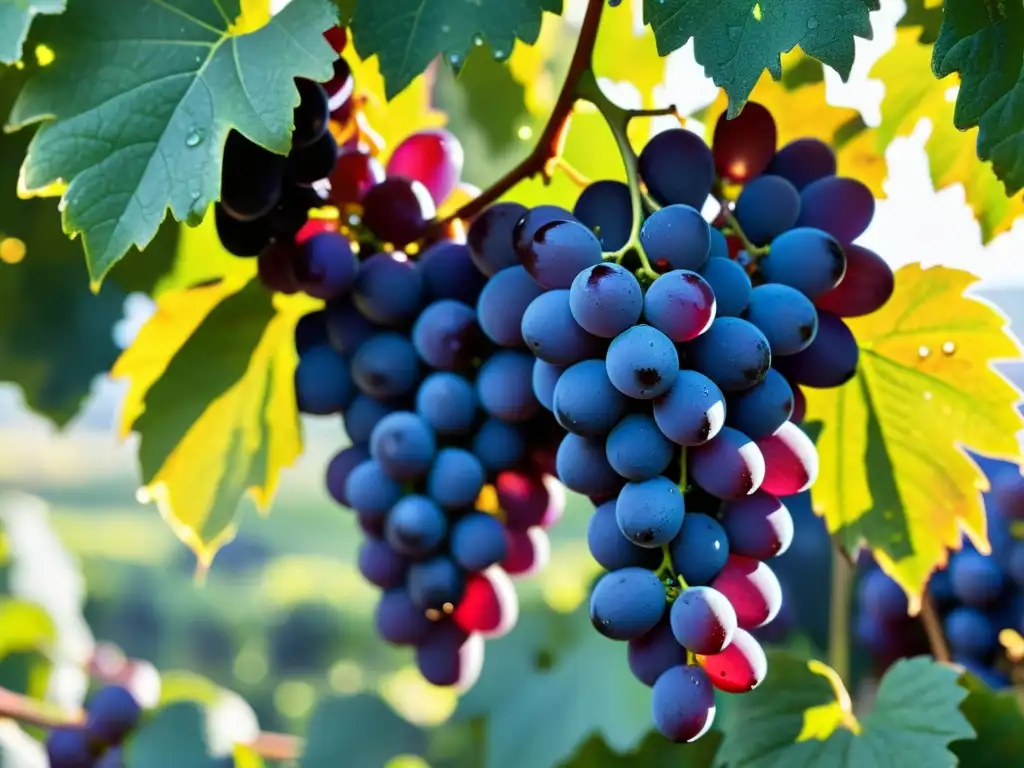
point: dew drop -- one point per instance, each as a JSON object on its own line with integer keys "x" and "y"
{"x": 455, "y": 60}
{"x": 445, "y": 28}
{"x": 478, "y": 40}
{"x": 194, "y": 138}
{"x": 923, "y": 352}
{"x": 812, "y": 23}
{"x": 500, "y": 55}
{"x": 927, "y": 395}
{"x": 948, "y": 348}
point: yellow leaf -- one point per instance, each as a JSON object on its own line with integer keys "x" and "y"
{"x": 894, "y": 473}
{"x": 540, "y": 67}
{"x": 24, "y": 627}
{"x": 952, "y": 154}
{"x": 804, "y": 113}
{"x": 212, "y": 398}
{"x": 200, "y": 258}
{"x": 254, "y": 14}
{"x": 621, "y": 54}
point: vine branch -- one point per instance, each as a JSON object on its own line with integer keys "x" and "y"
{"x": 933, "y": 629}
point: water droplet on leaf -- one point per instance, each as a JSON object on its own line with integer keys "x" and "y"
{"x": 923, "y": 352}
{"x": 812, "y": 23}
{"x": 948, "y": 348}
{"x": 194, "y": 139}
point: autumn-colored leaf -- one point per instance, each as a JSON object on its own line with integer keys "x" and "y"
{"x": 952, "y": 154}
{"x": 894, "y": 472}
{"x": 212, "y": 398}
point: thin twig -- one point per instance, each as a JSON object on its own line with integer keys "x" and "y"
{"x": 933, "y": 629}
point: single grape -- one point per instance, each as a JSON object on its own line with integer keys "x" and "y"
{"x": 729, "y": 281}
{"x": 970, "y": 633}
{"x": 745, "y": 145}
{"x": 533, "y": 220}
{"x": 693, "y": 411}
{"x": 729, "y": 466}
{"x": 449, "y": 273}
{"x": 553, "y": 335}
{"x": 69, "y": 748}
{"x": 499, "y": 445}
{"x": 650, "y": 513}
{"x": 404, "y": 444}
{"x": 528, "y": 552}
{"x": 702, "y": 620}
{"x": 388, "y": 289}
{"x": 767, "y": 207}
{"x": 642, "y": 362}
{"x": 345, "y": 327}
{"x": 733, "y": 353}
{"x": 606, "y": 208}
{"x": 371, "y": 491}
{"x": 340, "y": 467}
{"x": 752, "y": 589}
{"x": 326, "y": 266}
{"x": 838, "y": 205}
{"x": 386, "y": 366}
{"x": 676, "y": 237}
{"x": 680, "y": 304}
{"x": 760, "y": 411}
{"x": 448, "y": 403}
{"x": 683, "y": 703}
{"x": 244, "y": 239}
{"x": 583, "y": 467}
{"x": 678, "y": 167}
{"x": 637, "y": 449}
{"x": 252, "y": 180}
{"x": 650, "y": 655}
{"x": 112, "y": 713}
{"x": 785, "y": 316}
{"x": 627, "y": 603}
{"x": 362, "y": 416}
{"x": 804, "y": 161}
{"x": 865, "y": 288}
{"x": 355, "y": 172}
{"x": 340, "y": 89}
{"x": 490, "y": 237}
{"x": 338, "y": 38}
{"x": 312, "y": 114}
{"x": 416, "y": 526}
{"x": 502, "y": 304}
{"x": 758, "y": 526}
{"x": 558, "y": 252}
{"x": 881, "y": 598}
{"x": 447, "y": 336}
{"x": 478, "y": 542}
{"x": 700, "y": 550}
{"x": 527, "y": 500}
{"x": 456, "y": 478}
{"x": 829, "y": 361}
{"x": 291, "y": 214}
{"x": 545, "y": 378}
{"x": 435, "y": 583}
{"x": 740, "y": 668}
{"x": 434, "y": 157}
{"x": 450, "y": 656}
{"x": 399, "y": 620}
{"x": 977, "y": 580}
{"x": 585, "y": 402}
{"x": 275, "y": 267}
{"x": 611, "y": 549}
{"x": 309, "y": 165}
{"x": 810, "y": 260}
{"x": 605, "y": 299}
{"x": 489, "y": 605}
{"x": 505, "y": 386}
{"x": 790, "y": 460}
{"x": 311, "y": 331}
{"x": 381, "y": 565}
{"x": 323, "y": 384}
{"x": 397, "y": 210}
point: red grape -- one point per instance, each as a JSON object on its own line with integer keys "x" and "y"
{"x": 397, "y": 210}
{"x": 432, "y": 157}
{"x": 752, "y": 588}
{"x": 745, "y": 145}
{"x": 338, "y": 38}
{"x": 340, "y": 89}
{"x": 354, "y": 174}
{"x": 276, "y": 268}
{"x": 528, "y": 552}
{"x": 740, "y": 668}
{"x": 490, "y": 605}
{"x": 866, "y": 286}
{"x": 790, "y": 459}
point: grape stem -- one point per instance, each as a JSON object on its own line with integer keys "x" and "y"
{"x": 933, "y": 629}
{"x": 840, "y": 601}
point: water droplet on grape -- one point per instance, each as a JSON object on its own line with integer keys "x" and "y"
{"x": 194, "y": 139}
{"x": 812, "y": 23}
{"x": 923, "y": 352}
{"x": 948, "y": 348}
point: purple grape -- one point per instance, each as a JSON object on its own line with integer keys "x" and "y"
{"x": 758, "y": 526}
{"x": 703, "y": 620}
{"x": 730, "y": 466}
{"x": 676, "y": 237}
{"x": 693, "y": 411}
{"x": 605, "y": 299}
{"x": 558, "y": 252}
{"x": 650, "y": 655}
{"x": 680, "y": 304}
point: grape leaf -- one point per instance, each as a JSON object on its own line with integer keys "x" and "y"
{"x": 952, "y": 157}
{"x": 173, "y": 737}
{"x": 802, "y": 716}
{"x": 15, "y": 18}
{"x": 406, "y": 35}
{"x": 363, "y": 729}
{"x": 165, "y": 83}
{"x": 212, "y": 398}
{"x": 997, "y": 718}
{"x": 653, "y": 750}
{"x": 984, "y": 43}
{"x": 24, "y": 627}
{"x": 569, "y": 682}
{"x": 894, "y": 473}
{"x": 736, "y": 40}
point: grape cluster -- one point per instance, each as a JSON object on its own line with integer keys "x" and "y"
{"x": 111, "y": 715}
{"x": 976, "y": 595}
{"x": 676, "y": 371}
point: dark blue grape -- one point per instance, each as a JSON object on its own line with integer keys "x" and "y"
{"x": 347, "y": 328}
{"x": 449, "y": 273}
{"x": 381, "y": 565}
{"x": 650, "y": 655}
{"x": 700, "y": 550}
{"x": 340, "y": 467}
{"x": 841, "y": 206}
{"x": 499, "y": 445}
{"x": 977, "y": 580}
{"x": 311, "y": 331}
{"x": 370, "y": 491}
{"x": 642, "y": 362}
{"x": 505, "y": 386}
{"x": 605, "y": 299}
{"x": 490, "y": 240}
{"x": 730, "y": 283}
{"x": 114, "y": 758}
{"x": 733, "y": 353}
{"x": 415, "y": 526}
{"x": 758, "y": 526}
{"x": 386, "y": 366}
{"x": 730, "y": 466}
{"x": 552, "y": 333}
{"x": 448, "y": 403}
{"x": 323, "y": 384}
{"x": 252, "y": 180}
{"x": 683, "y": 703}
{"x": 456, "y": 479}
{"x": 810, "y": 260}
{"x": 610, "y": 548}
{"x": 585, "y": 402}
{"x": 676, "y": 237}
{"x": 389, "y": 289}
{"x": 532, "y": 221}
{"x": 606, "y": 208}
{"x": 404, "y": 444}
{"x": 69, "y": 748}
{"x": 804, "y": 161}
{"x": 829, "y": 361}
{"x": 693, "y": 411}
{"x": 326, "y": 267}
{"x": 478, "y": 541}
{"x": 637, "y": 449}
{"x": 449, "y": 655}
{"x": 881, "y": 598}
{"x": 362, "y": 416}
{"x": 502, "y": 304}
{"x": 970, "y": 633}
{"x": 677, "y": 167}
{"x": 446, "y": 335}
{"x": 583, "y": 467}
{"x": 545, "y": 378}
{"x": 436, "y": 582}
{"x": 627, "y": 603}
{"x": 785, "y": 316}
{"x": 650, "y": 513}
{"x": 111, "y": 714}
{"x": 558, "y": 251}
{"x": 767, "y": 207}
{"x": 399, "y": 620}
{"x": 759, "y": 412}
{"x": 703, "y": 620}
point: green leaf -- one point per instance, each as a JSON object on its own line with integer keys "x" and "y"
{"x": 24, "y": 627}
{"x": 999, "y": 722}
{"x": 15, "y": 18}
{"x": 984, "y": 42}
{"x": 167, "y": 80}
{"x": 737, "y": 40}
{"x": 801, "y": 716}
{"x": 173, "y": 737}
{"x": 569, "y": 683}
{"x": 406, "y": 35}
{"x": 655, "y": 750}
{"x": 362, "y": 728}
